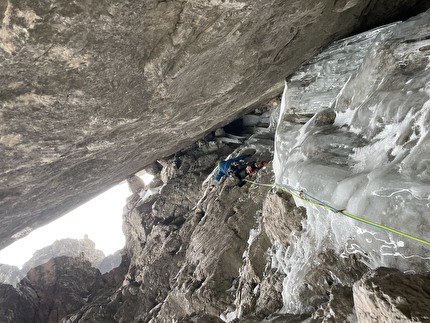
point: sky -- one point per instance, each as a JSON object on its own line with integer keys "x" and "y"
{"x": 100, "y": 219}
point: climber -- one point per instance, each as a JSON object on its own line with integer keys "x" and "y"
{"x": 238, "y": 167}
{"x": 224, "y": 166}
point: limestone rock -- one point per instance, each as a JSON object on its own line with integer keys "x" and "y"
{"x": 205, "y": 318}
{"x": 329, "y": 276}
{"x": 135, "y": 184}
{"x": 10, "y": 274}
{"x": 276, "y": 318}
{"x": 109, "y": 262}
{"x": 94, "y": 92}
{"x": 169, "y": 170}
{"x": 84, "y": 248}
{"x": 339, "y": 308}
{"x": 197, "y": 252}
{"x": 282, "y": 217}
{"x": 388, "y": 295}
{"x": 51, "y": 291}
{"x": 153, "y": 168}
{"x": 14, "y": 306}
{"x": 186, "y": 243}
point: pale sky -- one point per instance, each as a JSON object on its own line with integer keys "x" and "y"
{"x": 100, "y": 219}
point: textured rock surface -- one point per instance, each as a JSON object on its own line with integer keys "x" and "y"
{"x": 109, "y": 262}
{"x": 195, "y": 251}
{"x": 10, "y": 274}
{"x": 51, "y": 291}
{"x": 84, "y": 248}
{"x": 388, "y": 295}
{"x": 66, "y": 247}
{"x": 60, "y": 287}
{"x": 14, "y": 306}
{"x": 92, "y": 92}
{"x": 186, "y": 243}
{"x": 199, "y": 252}
{"x": 328, "y": 282}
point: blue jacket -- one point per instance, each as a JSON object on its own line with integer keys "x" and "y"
{"x": 225, "y": 166}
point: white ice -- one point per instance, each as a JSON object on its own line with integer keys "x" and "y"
{"x": 374, "y": 161}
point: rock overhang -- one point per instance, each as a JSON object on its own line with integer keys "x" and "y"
{"x": 92, "y": 93}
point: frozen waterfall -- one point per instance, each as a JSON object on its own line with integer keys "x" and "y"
{"x": 372, "y": 158}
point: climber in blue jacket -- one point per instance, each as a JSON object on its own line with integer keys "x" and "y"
{"x": 224, "y": 166}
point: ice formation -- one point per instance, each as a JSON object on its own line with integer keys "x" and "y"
{"x": 373, "y": 160}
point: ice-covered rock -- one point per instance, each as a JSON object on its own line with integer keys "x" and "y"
{"x": 371, "y": 160}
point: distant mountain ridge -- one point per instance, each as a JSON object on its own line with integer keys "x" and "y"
{"x": 84, "y": 248}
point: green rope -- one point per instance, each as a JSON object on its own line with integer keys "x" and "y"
{"x": 310, "y": 199}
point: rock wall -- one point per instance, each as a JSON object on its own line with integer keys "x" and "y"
{"x": 10, "y": 275}
{"x": 53, "y": 290}
{"x": 66, "y": 247}
{"x": 388, "y": 295}
{"x": 90, "y": 89}
{"x": 201, "y": 251}
{"x": 186, "y": 241}
{"x": 84, "y": 248}
{"x": 196, "y": 250}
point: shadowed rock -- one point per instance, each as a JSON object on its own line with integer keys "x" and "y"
{"x": 388, "y": 295}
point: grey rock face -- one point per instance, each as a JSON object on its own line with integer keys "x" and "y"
{"x": 135, "y": 184}
{"x": 84, "y": 248}
{"x": 93, "y": 92}
{"x": 14, "y": 306}
{"x": 186, "y": 244}
{"x": 388, "y": 295}
{"x": 59, "y": 287}
{"x": 50, "y": 291}
{"x": 109, "y": 262}
{"x": 199, "y": 252}
{"x": 10, "y": 274}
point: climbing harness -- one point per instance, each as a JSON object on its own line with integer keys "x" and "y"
{"x": 313, "y": 200}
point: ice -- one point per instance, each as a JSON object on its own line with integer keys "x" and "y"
{"x": 373, "y": 161}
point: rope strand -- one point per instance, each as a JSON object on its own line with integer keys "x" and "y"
{"x": 313, "y": 200}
